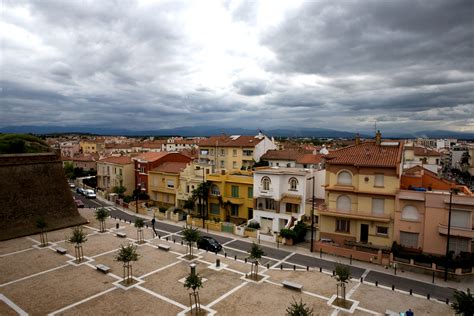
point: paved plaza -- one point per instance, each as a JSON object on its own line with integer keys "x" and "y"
{"x": 40, "y": 281}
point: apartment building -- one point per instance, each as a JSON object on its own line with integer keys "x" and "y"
{"x": 163, "y": 182}
{"x": 116, "y": 171}
{"x": 422, "y": 156}
{"x": 280, "y": 196}
{"x": 361, "y": 185}
{"x": 189, "y": 179}
{"x": 231, "y": 196}
{"x": 89, "y": 146}
{"x": 233, "y": 152}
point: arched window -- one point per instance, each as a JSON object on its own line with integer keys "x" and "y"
{"x": 266, "y": 183}
{"x": 410, "y": 212}
{"x": 215, "y": 190}
{"x": 344, "y": 178}
{"x": 293, "y": 184}
{"x": 343, "y": 203}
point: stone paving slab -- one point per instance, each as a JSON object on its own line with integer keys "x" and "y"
{"x": 97, "y": 244}
{"x": 61, "y": 234}
{"x": 9, "y": 246}
{"x": 6, "y": 310}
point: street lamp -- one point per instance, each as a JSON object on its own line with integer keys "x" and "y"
{"x": 137, "y": 191}
{"x": 312, "y": 215}
{"x": 449, "y": 232}
{"x": 202, "y": 192}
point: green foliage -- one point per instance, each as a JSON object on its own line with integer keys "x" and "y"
{"x": 300, "y": 230}
{"x": 78, "y": 236}
{"x": 139, "y": 222}
{"x": 128, "y": 198}
{"x": 69, "y": 170}
{"x": 464, "y": 303}
{"x": 256, "y": 252}
{"x": 127, "y": 254}
{"x": 254, "y": 225}
{"x": 41, "y": 223}
{"x": 162, "y": 209}
{"x": 22, "y": 143}
{"x": 101, "y": 214}
{"x": 298, "y": 309}
{"x": 189, "y": 204}
{"x": 288, "y": 233}
{"x": 191, "y": 235}
{"x": 193, "y": 281}
{"x": 343, "y": 273}
{"x": 120, "y": 190}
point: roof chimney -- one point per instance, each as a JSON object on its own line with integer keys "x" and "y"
{"x": 378, "y": 138}
{"x": 357, "y": 139}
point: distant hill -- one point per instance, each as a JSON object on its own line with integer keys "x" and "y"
{"x": 211, "y": 130}
{"x": 21, "y": 144}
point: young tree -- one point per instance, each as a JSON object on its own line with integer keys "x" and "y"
{"x": 77, "y": 238}
{"x": 101, "y": 215}
{"x": 139, "y": 223}
{"x": 190, "y": 236}
{"x": 126, "y": 255}
{"x": 120, "y": 190}
{"x": 41, "y": 224}
{"x": 194, "y": 282}
{"x": 343, "y": 276}
{"x": 298, "y": 309}
{"x": 464, "y": 303}
{"x": 255, "y": 254}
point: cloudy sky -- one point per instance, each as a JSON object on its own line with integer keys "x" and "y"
{"x": 408, "y": 65}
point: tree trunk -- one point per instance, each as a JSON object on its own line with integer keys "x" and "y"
{"x": 78, "y": 252}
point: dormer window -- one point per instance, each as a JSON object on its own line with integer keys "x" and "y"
{"x": 266, "y": 183}
{"x": 293, "y": 184}
{"x": 344, "y": 178}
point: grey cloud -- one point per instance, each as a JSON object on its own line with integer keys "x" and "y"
{"x": 251, "y": 87}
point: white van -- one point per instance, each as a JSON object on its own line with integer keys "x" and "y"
{"x": 90, "y": 194}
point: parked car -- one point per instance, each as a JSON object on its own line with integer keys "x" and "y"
{"x": 79, "y": 203}
{"x": 90, "y": 194}
{"x": 209, "y": 243}
{"x": 80, "y": 191}
{"x": 72, "y": 185}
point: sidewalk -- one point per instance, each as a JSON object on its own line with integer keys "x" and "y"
{"x": 303, "y": 249}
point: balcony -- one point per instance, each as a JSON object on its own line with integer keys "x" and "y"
{"x": 323, "y": 210}
{"x": 411, "y": 195}
{"x": 456, "y": 231}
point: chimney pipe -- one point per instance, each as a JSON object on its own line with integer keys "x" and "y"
{"x": 378, "y": 138}
{"x": 357, "y": 139}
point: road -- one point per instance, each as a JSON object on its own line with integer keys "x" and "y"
{"x": 278, "y": 257}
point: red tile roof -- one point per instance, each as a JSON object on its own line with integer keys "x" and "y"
{"x": 123, "y": 160}
{"x": 154, "y": 144}
{"x": 367, "y": 154}
{"x": 422, "y": 151}
{"x": 230, "y": 141}
{"x": 309, "y": 159}
{"x": 150, "y": 156}
{"x": 285, "y": 154}
{"x": 171, "y": 167}
{"x": 85, "y": 158}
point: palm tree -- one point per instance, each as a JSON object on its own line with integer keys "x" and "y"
{"x": 139, "y": 223}
{"x": 78, "y": 238}
{"x": 127, "y": 254}
{"x": 464, "y": 303}
{"x": 41, "y": 224}
{"x": 194, "y": 281}
{"x": 298, "y": 309}
{"x": 190, "y": 236}
{"x": 343, "y": 276}
{"x": 255, "y": 254}
{"x": 101, "y": 215}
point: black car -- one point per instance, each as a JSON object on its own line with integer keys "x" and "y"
{"x": 209, "y": 243}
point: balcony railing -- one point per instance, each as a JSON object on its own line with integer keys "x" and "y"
{"x": 456, "y": 231}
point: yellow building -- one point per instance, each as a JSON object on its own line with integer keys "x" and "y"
{"x": 91, "y": 146}
{"x": 163, "y": 182}
{"x": 361, "y": 185}
{"x": 235, "y": 152}
{"x": 114, "y": 172}
{"x": 189, "y": 179}
{"x": 231, "y": 196}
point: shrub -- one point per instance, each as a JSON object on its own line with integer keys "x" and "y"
{"x": 300, "y": 231}
{"x": 255, "y": 225}
{"x": 288, "y": 233}
{"x": 162, "y": 209}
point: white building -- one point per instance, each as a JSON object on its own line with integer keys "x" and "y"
{"x": 279, "y": 197}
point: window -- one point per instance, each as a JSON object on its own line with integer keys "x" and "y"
{"x": 215, "y": 209}
{"x": 235, "y": 191}
{"x": 187, "y": 189}
{"x": 343, "y": 225}
{"x": 266, "y": 183}
{"x": 461, "y": 219}
{"x": 292, "y": 208}
{"x": 344, "y": 178}
{"x": 155, "y": 181}
{"x": 142, "y": 170}
{"x": 211, "y": 152}
{"x": 222, "y": 164}
{"x": 120, "y": 171}
{"x": 222, "y": 151}
{"x": 410, "y": 212}
{"x": 215, "y": 190}
{"x": 378, "y": 206}
{"x": 115, "y": 170}
{"x": 458, "y": 244}
{"x": 269, "y": 204}
{"x": 250, "y": 192}
{"x": 170, "y": 184}
{"x": 108, "y": 170}
{"x": 343, "y": 203}
{"x": 234, "y": 164}
{"x": 293, "y": 184}
{"x": 234, "y": 152}
{"x": 248, "y": 152}
{"x": 204, "y": 152}
{"x": 382, "y": 230}
{"x": 409, "y": 239}
{"x": 234, "y": 210}
{"x": 378, "y": 180}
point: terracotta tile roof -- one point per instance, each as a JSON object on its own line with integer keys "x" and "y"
{"x": 368, "y": 154}
{"x": 154, "y": 144}
{"x": 123, "y": 160}
{"x": 309, "y": 159}
{"x": 422, "y": 151}
{"x": 84, "y": 158}
{"x": 118, "y": 146}
{"x": 191, "y": 153}
{"x": 171, "y": 167}
{"x": 150, "y": 156}
{"x": 285, "y": 154}
{"x": 230, "y": 141}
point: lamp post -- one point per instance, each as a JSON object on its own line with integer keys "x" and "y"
{"x": 312, "y": 216}
{"x": 138, "y": 190}
{"x": 202, "y": 193}
{"x": 449, "y": 232}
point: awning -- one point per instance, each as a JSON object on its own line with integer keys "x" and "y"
{"x": 291, "y": 198}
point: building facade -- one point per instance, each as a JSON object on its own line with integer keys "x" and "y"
{"x": 114, "y": 172}
{"x": 163, "y": 182}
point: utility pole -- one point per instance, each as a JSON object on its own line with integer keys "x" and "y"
{"x": 449, "y": 232}
{"x": 312, "y": 215}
